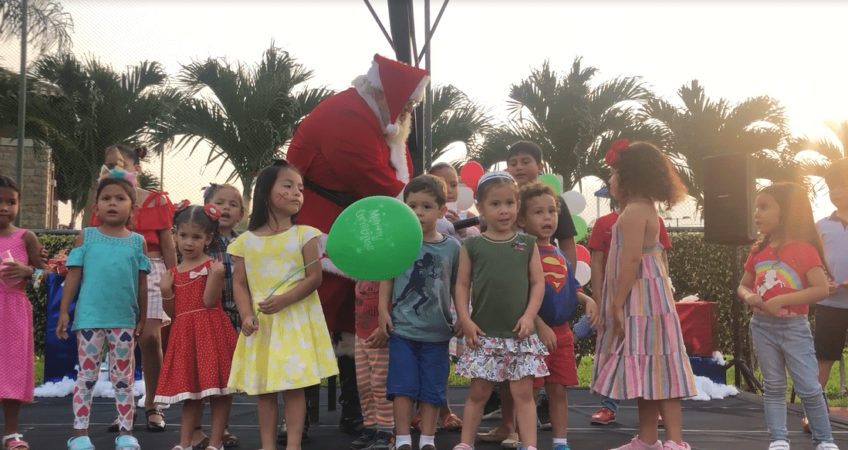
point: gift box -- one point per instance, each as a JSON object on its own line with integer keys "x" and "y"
{"x": 699, "y": 322}
{"x": 708, "y": 367}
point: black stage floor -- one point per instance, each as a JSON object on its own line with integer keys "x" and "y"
{"x": 735, "y": 423}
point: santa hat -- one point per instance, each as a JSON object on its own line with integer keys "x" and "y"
{"x": 400, "y": 82}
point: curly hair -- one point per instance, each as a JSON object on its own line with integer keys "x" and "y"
{"x": 644, "y": 171}
{"x": 531, "y": 191}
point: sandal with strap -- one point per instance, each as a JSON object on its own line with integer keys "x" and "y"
{"x": 203, "y": 442}
{"x": 230, "y": 440}
{"x": 14, "y": 441}
{"x": 452, "y": 422}
{"x": 155, "y": 426}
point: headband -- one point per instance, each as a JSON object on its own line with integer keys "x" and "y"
{"x": 488, "y": 176}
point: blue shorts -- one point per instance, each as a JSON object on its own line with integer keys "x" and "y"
{"x": 418, "y": 370}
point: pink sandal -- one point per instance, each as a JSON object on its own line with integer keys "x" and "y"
{"x": 14, "y": 441}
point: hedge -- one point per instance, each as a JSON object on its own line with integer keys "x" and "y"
{"x": 697, "y": 268}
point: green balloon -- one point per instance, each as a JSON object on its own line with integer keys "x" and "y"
{"x": 376, "y": 238}
{"x": 580, "y": 226}
{"x": 552, "y": 181}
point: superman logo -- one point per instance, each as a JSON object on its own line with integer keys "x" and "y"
{"x": 555, "y": 271}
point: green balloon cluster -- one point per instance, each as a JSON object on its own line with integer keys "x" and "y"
{"x": 552, "y": 181}
{"x": 580, "y": 226}
{"x": 376, "y": 238}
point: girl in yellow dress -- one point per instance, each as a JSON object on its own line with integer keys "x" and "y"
{"x": 285, "y": 345}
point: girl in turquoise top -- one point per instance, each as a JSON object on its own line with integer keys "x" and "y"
{"x": 112, "y": 306}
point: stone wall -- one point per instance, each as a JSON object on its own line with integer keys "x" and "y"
{"x": 38, "y": 209}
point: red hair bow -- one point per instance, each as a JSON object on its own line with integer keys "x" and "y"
{"x": 612, "y": 157}
{"x": 212, "y": 211}
{"x": 181, "y": 206}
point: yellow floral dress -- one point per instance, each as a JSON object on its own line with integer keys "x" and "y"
{"x": 292, "y": 348}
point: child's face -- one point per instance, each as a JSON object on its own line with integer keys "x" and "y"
{"x": 839, "y": 195}
{"x": 451, "y": 181}
{"x": 523, "y": 168}
{"x": 540, "y": 220}
{"x": 8, "y": 206}
{"x": 228, "y": 201}
{"x": 613, "y": 185}
{"x": 114, "y": 206}
{"x": 287, "y": 193}
{"x": 767, "y": 216}
{"x": 426, "y": 209}
{"x": 192, "y": 240}
{"x": 500, "y": 207}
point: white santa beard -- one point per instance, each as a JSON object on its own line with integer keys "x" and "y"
{"x": 397, "y": 146}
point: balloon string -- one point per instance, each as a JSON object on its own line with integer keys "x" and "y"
{"x": 281, "y": 283}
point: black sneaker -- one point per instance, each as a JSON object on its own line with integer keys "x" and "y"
{"x": 543, "y": 413}
{"x": 365, "y": 440}
{"x": 351, "y": 423}
{"x": 382, "y": 441}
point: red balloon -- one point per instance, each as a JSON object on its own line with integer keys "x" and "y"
{"x": 471, "y": 173}
{"x": 583, "y": 254}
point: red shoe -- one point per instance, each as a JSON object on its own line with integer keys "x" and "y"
{"x": 603, "y": 416}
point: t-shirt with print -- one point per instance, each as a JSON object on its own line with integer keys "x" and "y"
{"x": 775, "y": 276}
{"x": 601, "y": 237}
{"x": 421, "y": 297}
{"x": 500, "y": 281}
{"x": 560, "y": 298}
{"x": 366, "y": 308}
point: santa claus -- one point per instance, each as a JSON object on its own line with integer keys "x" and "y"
{"x": 352, "y": 146}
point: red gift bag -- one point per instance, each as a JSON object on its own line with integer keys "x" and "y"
{"x": 699, "y": 322}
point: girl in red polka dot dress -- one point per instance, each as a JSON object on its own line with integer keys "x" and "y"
{"x": 200, "y": 349}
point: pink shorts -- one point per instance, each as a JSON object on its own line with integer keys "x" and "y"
{"x": 561, "y": 362}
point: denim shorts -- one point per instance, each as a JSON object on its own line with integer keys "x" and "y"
{"x": 418, "y": 370}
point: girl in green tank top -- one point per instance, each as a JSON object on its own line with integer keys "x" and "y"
{"x": 503, "y": 272}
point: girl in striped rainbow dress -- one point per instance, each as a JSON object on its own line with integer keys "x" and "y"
{"x": 639, "y": 352}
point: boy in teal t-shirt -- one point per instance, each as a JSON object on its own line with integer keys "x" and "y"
{"x": 415, "y": 312}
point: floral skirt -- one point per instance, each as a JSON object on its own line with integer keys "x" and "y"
{"x": 504, "y": 359}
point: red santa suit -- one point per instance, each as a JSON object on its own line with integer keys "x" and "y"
{"x": 341, "y": 147}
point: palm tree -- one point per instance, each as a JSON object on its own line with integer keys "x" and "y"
{"x": 48, "y": 24}
{"x": 702, "y": 127}
{"x": 830, "y": 148}
{"x": 245, "y": 114}
{"x": 456, "y": 118}
{"x": 90, "y": 108}
{"x": 573, "y": 123}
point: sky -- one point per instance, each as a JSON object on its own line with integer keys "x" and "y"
{"x": 788, "y": 50}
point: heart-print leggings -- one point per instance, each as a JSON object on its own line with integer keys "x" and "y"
{"x": 90, "y": 345}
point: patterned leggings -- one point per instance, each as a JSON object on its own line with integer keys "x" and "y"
{"x": 372, "y": 368}
{"x": 90, "y": 348}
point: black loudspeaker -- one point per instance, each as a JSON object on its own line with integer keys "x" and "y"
{"x": 729, "y": 200}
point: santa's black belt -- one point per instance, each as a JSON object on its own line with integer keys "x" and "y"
{"x": 340, "y": 198}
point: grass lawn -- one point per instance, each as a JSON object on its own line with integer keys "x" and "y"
{"x": 39, "y": 370}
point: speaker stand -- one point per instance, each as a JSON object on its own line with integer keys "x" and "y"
{"x": 746, "y": 374}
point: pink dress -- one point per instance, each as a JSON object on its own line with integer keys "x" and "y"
{"x": 16, "y": 354}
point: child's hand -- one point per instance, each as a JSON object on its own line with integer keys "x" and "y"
{"x": 457, "y": 329}
{"x": 452, "y": 216}
{"x": 139, "y": 327}
{"x": 16, "y": 269}
{"x": 471, "y": 331}
{"x": 378, "y": 339}
{"x": 44, "y": 256}
{"x": 594, "y": 314}
{"x": 62, "y": 326}
{"x": 274, "y": 304}
{"x": 832, "y": 286}
{"x": 617, "y": 328}
{"x": 754, "y": 300}
{"x": 772, "y": 307}
{"x": 524, "y": 327}
{"x": 547, "y": 336}
{"x": 249, "y": 325}
{"x": 385, "y": 322}
{"x": 166, "y": 284}
{"x": 216, "y": 269}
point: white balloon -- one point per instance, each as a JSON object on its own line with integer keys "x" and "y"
{"x": 575, "y": 201}
{"x": 464, "y": 198}
{"x": 583, "y": 273}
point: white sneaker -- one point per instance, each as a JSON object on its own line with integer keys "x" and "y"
{"x": 779, "y": 445}
{"x": 827, "y": 446}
